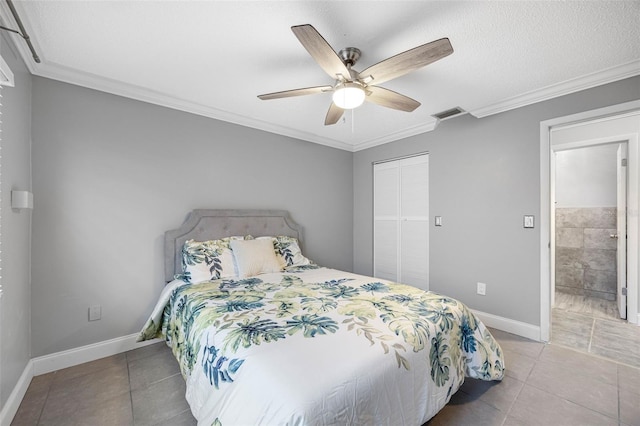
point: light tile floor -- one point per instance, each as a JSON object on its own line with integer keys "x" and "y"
{"x": 592, "y": 306}
{"x": 593, "y": 326}
{"x": 544, "y": 385}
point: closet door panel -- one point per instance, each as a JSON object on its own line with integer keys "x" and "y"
{"x": 414, "y": 253}
{"x": 386, "y": 249}
{"x": 414, "y": 190}
{"x": 386, "y": 196}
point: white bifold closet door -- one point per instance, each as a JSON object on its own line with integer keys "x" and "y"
{"x": 401, "y": 221}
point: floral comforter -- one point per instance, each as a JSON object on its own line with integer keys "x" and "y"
{"x": 320, "y": 346}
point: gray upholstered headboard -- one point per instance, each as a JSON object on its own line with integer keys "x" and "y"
{"x": 205, "y": 225}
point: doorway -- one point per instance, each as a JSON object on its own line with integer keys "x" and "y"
{"x": 616, "y": 124}
{"x": 589, "y": 207}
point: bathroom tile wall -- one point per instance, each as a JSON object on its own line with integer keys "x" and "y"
{"x": 585, "y": 252}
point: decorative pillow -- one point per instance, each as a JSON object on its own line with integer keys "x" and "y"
{"x": 208, "y": 260}
{"x": 288, "y": 251}
{"x": 254, "y": 257}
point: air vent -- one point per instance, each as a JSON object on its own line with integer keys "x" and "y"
{"x": 449, "y": 113}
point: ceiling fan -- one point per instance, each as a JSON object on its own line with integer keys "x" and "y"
{"x": 352, "y": 88}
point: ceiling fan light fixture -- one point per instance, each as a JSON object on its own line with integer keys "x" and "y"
{"x": 349, "y": 95}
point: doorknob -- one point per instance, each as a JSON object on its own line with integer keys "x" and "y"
{"x": 613, "y": 236}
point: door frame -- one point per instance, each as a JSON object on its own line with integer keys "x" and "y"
{"x": 546, "y": 238}
{"x": 622, "y": 181}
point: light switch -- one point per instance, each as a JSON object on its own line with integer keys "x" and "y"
{"x": 528, "y": 221}
{"x": 95, "y": 312}
{"x": 438, "y": 220}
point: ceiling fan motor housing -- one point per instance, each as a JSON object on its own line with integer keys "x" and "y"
{"x": 350, "y": 55}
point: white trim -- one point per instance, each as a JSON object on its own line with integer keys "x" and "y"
{"x": 401, "y": 134}
{"x": 519, "y": 328}
{"x": 130, "y": 91}
{"x": 601, "y": 119}
{"x": 95, "y": 82}
{"x": 10, "y": 408}
{"x": 69, "y": 358}
{"x": 593, "y": 142}
{"x": 552, "y": 236}
{"x": 588, "y": 81}
{"x": 545, "y": 226}
{"x": 545, "y": 208}
{"x": 145, "y": 95}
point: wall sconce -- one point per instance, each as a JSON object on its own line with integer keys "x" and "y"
{"x": 21, "y": 200}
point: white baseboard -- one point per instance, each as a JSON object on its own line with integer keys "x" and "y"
{"x": 59, "y": 360}
{"x": 523, "y": 329}
{"x": 10, "y": 408}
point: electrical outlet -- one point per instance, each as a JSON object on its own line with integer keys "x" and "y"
{"x": 482, "y": 289}
{"x": 95, "y": 312}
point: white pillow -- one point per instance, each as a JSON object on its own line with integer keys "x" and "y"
{"x": 208, "y": 260}
{"x": 254, "y": 257}
{"x": 288, "y": 251}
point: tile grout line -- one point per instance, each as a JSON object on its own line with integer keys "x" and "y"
{"x": 526, "y": 379}
{"x": 133, "y": 420}
{"x": 580, "y": 404}
{"x": 46, "y": 398}
{"x": 618, "y": 388}
{"x": 593, "y": 327}
{"x": 514, "y": 400}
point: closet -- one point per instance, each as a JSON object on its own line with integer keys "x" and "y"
{"x": 401, "y": 220}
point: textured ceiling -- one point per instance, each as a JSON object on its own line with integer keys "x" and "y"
{"x": 213, "y": 58}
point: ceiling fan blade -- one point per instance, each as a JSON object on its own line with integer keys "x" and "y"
{"x": 296, "y": 92}
{"x": 333, "y": 115}
{"x": 408, "y": 61}
{"x": 321, "y": 51}
{"x": 390, "y": 99}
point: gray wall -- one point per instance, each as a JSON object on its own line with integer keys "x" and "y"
{"x": 16, "y": 224}
{"x": 484, "y": 176}
{"x": 112, "y": 174}
{"x": 586, "y": 177}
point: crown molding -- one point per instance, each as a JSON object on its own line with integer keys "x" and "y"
{"x": 392, "y": 137}
{"x": 95, "y": 82}
{"x": 588, "y": 81}
{"x": 91, "y": 81}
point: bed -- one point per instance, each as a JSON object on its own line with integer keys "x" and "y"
{"x": 303, "y": 344}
